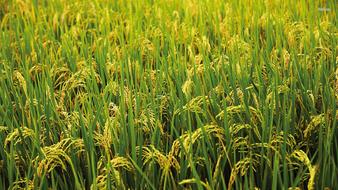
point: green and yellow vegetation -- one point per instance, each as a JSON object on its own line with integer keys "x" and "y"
{"x": 168, "y": 94}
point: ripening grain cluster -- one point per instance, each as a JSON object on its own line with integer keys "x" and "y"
{"x": 168, "y": 94}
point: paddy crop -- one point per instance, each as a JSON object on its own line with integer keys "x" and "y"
{"x": 168, "y": 94}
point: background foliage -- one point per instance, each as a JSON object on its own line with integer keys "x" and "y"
{"x": 168, "y": 94}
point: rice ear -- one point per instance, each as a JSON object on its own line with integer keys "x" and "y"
{"x": 187, "y": 87}
{"x": 302, "y": 156}
{"x": 195, "y": 181}
{"x": 314, "y": 123}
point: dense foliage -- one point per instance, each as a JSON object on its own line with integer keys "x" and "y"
{"x": 168, "y": 94}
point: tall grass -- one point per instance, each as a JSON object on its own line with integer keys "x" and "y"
{"x": 168, "y": 94}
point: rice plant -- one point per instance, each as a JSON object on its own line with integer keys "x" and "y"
{"x": 168, "y": 94}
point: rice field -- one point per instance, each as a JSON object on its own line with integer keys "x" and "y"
{"x": 168, "y": 94}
